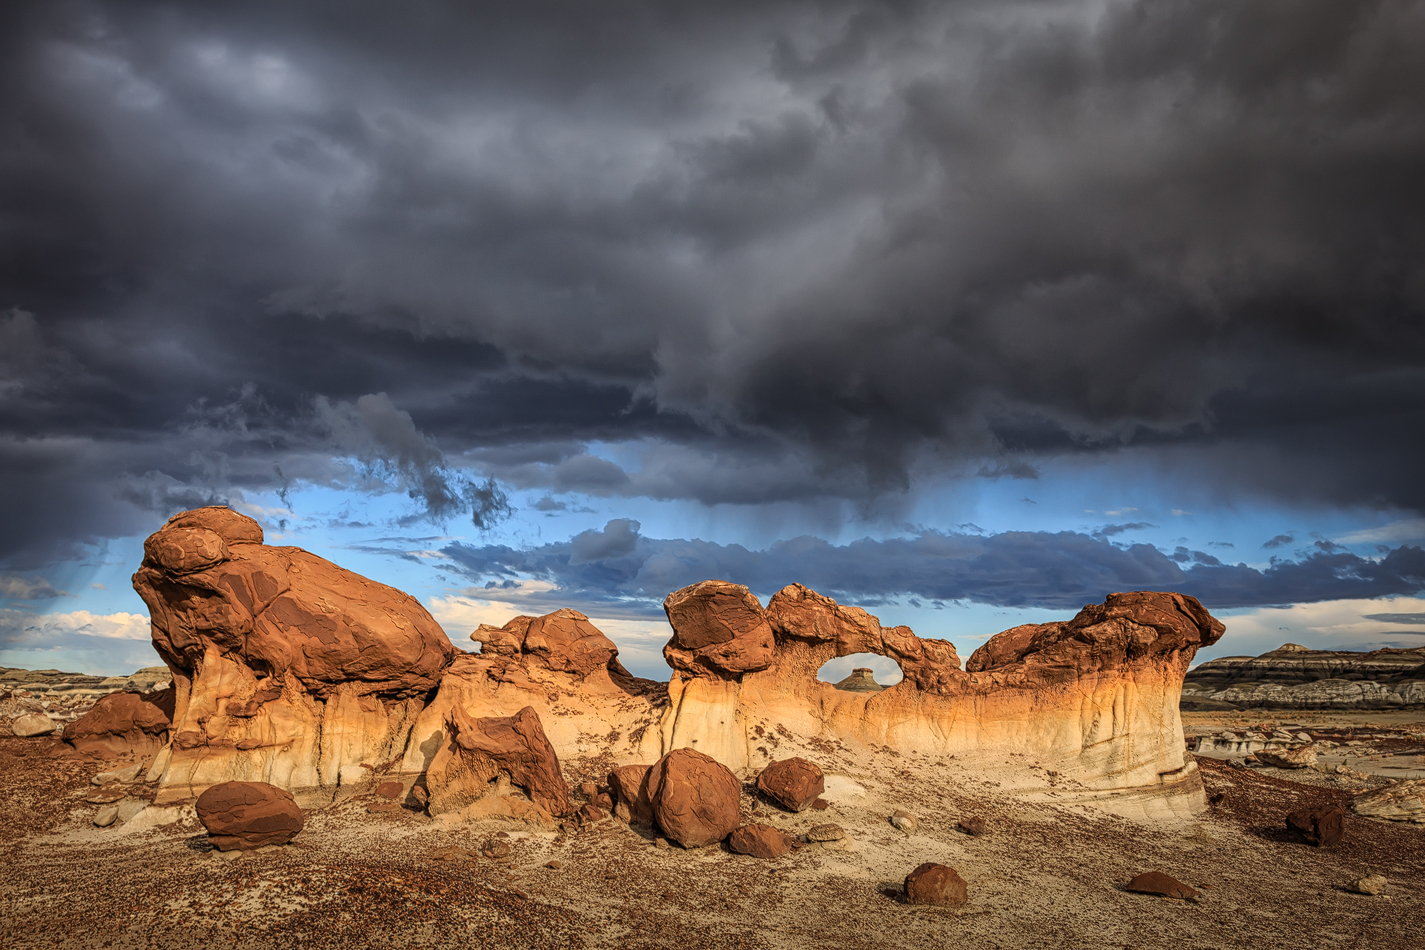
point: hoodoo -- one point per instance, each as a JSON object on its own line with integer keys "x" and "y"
{"x": 290, "y": 670}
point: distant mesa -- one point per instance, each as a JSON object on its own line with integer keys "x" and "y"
{"x": 1294, "y": 677}
{"x": 861, "y": 680}
{"x": 289, "y": 670}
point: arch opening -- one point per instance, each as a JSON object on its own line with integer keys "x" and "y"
{"x": 861, "y": 672}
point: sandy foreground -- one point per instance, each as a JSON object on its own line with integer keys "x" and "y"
{"x": 1046, "y": 873}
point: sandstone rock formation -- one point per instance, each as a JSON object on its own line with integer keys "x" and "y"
{"x": 1322, "y": 826}
{"x": 1095, "y": 698}
{"x": 286, "y": 668}
{"x": 241, "y": 816}
{"x": 1403, "y": 801}
{"x": 936, "y": 884}
{"x": 290, "y": 670}
{"x": 861, "y": 680}
{"x": 472, "y": 776}
{"x": 1301, "y": 757}
{"x": 696, "y": 799}
{"x": 1293, "y": 677}
{"x": 792, "y": 783}
{"x": 124, "y": 722}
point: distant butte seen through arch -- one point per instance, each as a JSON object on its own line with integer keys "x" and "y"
{"x": 861, "y": 672}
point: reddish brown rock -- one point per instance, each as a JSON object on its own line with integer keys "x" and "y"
{"x": 974, "y": 826}
{"x": 515, "y": 746}
{"x": 390, "y": 789}
{"x": 1102, "y": 636}
{"x": 629, "y": 785}
{"x": 792, "y": 783}
{"x": 696, "y": 799}
{"x": 718, "y": 628}
{"x": 241, "y": 816}
{"x": 603, "y": 800}
{"x": 936, "y": 884}
{"x": 124, "y": 722}
{"x": 1159, "y": 884}
{"x": 1320, "y": 827}
{"x": 590, "y": 813}
{"x": 564, "y": 641}
{"x": 760, "y": 841}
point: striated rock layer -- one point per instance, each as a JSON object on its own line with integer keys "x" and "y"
{"x": 1293, "y": 677}
{"x": 290, "y": 670}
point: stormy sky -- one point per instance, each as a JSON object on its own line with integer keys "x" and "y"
{"x": 969, "y": 313}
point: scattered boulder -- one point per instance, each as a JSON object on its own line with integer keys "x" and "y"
{"x": 588, "y": 790}
{"x": 1403, "y": 801}
{"x": 590, "y": 813}
{"x": 830, "y": 836}
{"x": 629, "y": 784}
{"x": 904, "y": 821}
{"x": 33, "y": 724}
{"x": 760, "y": 841}
{"x": 973, "y": 826}
{"x": 1371, "y": 885}
{"x": 483, "y": 753}
{"x": 1299, "y": 758}
{"x": 603, "y": 801}
{"x": 792, "y": 783}
{"x": 123, "y": 722}
{"x": 1159, "y": 884}
{"x": 696, "y": 799}
{"x": 390, "y": 789}
{"x": 1320, "y": 827}
{"x": 106, "y": 816}
{"x": 497, "y": 849}
{"x": 241, "y": 816}
{"x": 937, "y": 885}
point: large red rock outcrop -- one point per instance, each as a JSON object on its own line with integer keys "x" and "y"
{"x": 285, "y": 666}
{"x": 489, "y": 754}
{"x": 718, "y": 628}
{"x": 241, "y": 816}
{"x": 124, "y": 722}
{"x": 563, "y": 641}
{"x": 696, "y": 799}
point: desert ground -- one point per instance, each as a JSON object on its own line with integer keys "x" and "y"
{"x": 1047, "y": 872}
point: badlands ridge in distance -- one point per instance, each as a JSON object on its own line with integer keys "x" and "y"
{"x": 534, "y": 792}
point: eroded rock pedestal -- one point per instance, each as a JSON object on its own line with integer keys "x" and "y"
{"x": 290, "y": 670}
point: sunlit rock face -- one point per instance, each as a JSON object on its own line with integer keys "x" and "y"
{"x": 1094, "y": 698}
{"x": 286, "y": 668}
{"x": 290, "y": 670}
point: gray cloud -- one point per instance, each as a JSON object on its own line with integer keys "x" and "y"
{"x": 619, "y": 569}
{"x": 1415, "y": 618}
{"x": 793, "y": 251}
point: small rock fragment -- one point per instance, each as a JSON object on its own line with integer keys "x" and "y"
{"x": 974, "y": 826}
{"x": 820, "y": 834}
{"x": 1371, "y": 884}
{"x": 904, "y": 821}
{"x": 127, "y": 774}
{"x": 661, "y": 843}
{"x": 554, "y": 865}
{"x": 759, "y": 841}
{"x": 34, "y": 724}
{"x": 496, "y": 848}
{"x": 390, "y": 789}
{"x": 1298, "y": 758}
{"x": 588, "y": 789}
{"x": 591, "y": 813}
{"x": 935, "y": 884}
{"x": 1159, "y": 884}
{"x": 106, "y": 816}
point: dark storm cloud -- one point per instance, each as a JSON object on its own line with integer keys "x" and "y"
{"x": 621, "y": 569}
{"x": 787, "y": 249}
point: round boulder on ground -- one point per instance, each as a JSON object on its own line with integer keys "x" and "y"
{"x": 696, "y": 799}
{"x": 792, "y": 783}
{"x": 241, "y": 816}
{"x": 1321, "y": 826}
{"x": 760, "y": 841}
{"x": 936, "y": 884}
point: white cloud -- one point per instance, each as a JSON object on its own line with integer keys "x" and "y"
{"x": 18, "y": 625}
{"x": 1333, "y": 623}
{"x": 1410, "y": 529}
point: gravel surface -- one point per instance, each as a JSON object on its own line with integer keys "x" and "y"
{"x": 1043, "y": 875}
